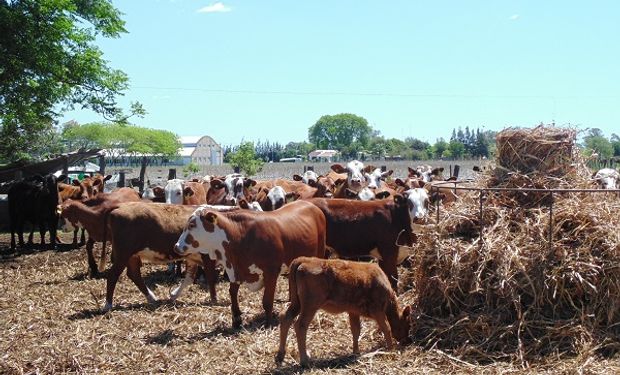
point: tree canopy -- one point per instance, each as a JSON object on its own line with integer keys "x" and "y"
{"x": 339, "y": 131}
{"x": 119, "y": 139}
{"x": 49, "y": 63}
{"x": 244, "y": 157}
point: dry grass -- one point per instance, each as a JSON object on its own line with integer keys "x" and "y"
{"x": 50, "y": 323}
{"x": 514, "y": 295}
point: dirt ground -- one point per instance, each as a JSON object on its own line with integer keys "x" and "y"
{"x": 50, "y": 322}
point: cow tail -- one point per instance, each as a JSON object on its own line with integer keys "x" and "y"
{"x": 293, "y": 295}
{"x": 106, "y": 216}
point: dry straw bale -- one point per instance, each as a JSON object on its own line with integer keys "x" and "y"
{"x": 513, "y": 294}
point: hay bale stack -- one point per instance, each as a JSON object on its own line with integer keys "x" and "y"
{"x": 514, "y": 294}
{"x": 546, "y": 150}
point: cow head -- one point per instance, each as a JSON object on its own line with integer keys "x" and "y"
{"x": 354, "y": 171}
{"x": 607, "y": 178}
{"x": 174, "y": 191}
{"x": 418, "y": 203}
{"x": 366, "y": 194}
{"x": 68, "y": 216}
{"x": 309, "y": 178}
{"x": 236, "y": 186}
{"x": 375, "y": 176}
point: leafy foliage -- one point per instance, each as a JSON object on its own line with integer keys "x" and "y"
{"x": 339, "y": 131}
{"x": 48, "y": 61}
{"x": 118, "y": 139}
{"x": 244, "y": 157}
{"x": 594, "y": 141}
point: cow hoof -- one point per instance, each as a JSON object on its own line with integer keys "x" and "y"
{"x": 279, "y": 357}
{"x": 236, "y": 322}
{"x": 107, "y": 307}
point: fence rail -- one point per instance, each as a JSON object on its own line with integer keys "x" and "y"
{"x": 483, "y": 192}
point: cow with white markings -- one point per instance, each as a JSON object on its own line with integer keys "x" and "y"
{"x": 255, "y": 247}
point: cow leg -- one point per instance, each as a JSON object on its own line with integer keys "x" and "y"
{"x": 104, "y": 258}
{"x": 286, "y": 319}
{"x": 30, "y": 237}
{"x": 53, "y": 225}
{"x": 383, "y": 326}
{"x": 388, "y": 265}
{"x": 113, "y": 274}
{"x": 301, "y": 331}
{"x": 13, "y": 230}
{"x": 75, "y": 235}
{"x": 190, "y": 271}
{"x": 42, "y": 233}
{"x": 133, "y": 271}
{"x": 354, "y": 322}
{"x": 83, "y": 237}
{"x": 233, "y": 289}
{"x": 92, "y": 265}
{"x": 268, "y": 297}
{"x": 210, "y": 272}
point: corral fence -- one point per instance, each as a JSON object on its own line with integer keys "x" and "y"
{"x": 483, "y": 193}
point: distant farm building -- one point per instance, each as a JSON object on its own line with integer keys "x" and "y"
{"x": 323, "y": 155}
{"x": 202, "y": 150}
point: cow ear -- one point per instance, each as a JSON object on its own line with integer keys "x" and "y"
{"x": 412, "y": 172}
{"x": 387, "y": 174}
{"x": 400, "y": 182}
{"x": 249, "y": 182}
{"x": 159, "y": 191}
{"x": 338, "y": 168}
{"x": 369, "y": 168}
{"x": 382, "y": 194}
{"x": 292, "y": 196}
{"x": 211, "y": 217}
{"x": 107, "y": 177}
{"x": 244, "y": 204}
{"x": 75, "y": 182}
{"x": 340, "y": 181}
{"x": 312, "y": 183}
{"x": 217, "y": 184}
{"x": 297, "y": 177}
{"x": 399, "y": 199}
{"x": 60, "y": 178}
{"x": 195, "y": 180}
{"x": 97, "y": 182}
{"x": 350, "y": 193}
{"x": 188, "y": 192}
{"x": 406, "y": 312}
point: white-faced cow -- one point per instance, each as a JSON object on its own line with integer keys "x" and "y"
{"x": 255, "y": 247}
{"x": 337, "y": 286}
{"x": 607, "y": 178}
{"x": 355, "y": 179}
{"x": 229, "y": 190}
{"x": 146, "y": 232}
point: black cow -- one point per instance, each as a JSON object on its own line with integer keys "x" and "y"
{"x": 34, "y": 200}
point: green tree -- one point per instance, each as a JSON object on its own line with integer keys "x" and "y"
{"x": 594, "y": 141}
{"x": 245, "y": 158}
{"x": 456, "y": 149}
{"x": 48, "y": 62}
{"x": 439, "y": 147}
{"x": 338, "y": 131}
{"x": 615, "y": 143}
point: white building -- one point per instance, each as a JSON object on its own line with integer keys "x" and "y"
{"x": 202, "y": 150}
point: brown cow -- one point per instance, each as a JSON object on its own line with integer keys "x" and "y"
{"x": 89, "y": 187}
{"x": 255, "y": 247}
{"x": 377, "y": 228}
{"x": 337, "y": 286}
{"x": 146, "y": 232}
{"x": 91, "y": 215}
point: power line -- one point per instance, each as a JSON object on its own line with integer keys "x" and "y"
{"x": 372, "y": 94}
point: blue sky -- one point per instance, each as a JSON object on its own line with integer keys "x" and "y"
{"x": 267, "y": 70}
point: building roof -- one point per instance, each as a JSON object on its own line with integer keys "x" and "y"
{"x": 323, "y": 153}
{"x": 190, "y": 139}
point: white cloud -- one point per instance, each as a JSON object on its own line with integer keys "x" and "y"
{"x": 218, "y": 7}
{"x": 514, "y": 17}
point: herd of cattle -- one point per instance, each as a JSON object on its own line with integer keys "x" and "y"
{"x": 255, "y": 231}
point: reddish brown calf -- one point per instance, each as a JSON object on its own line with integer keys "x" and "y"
{"x": 337, "y": 286}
